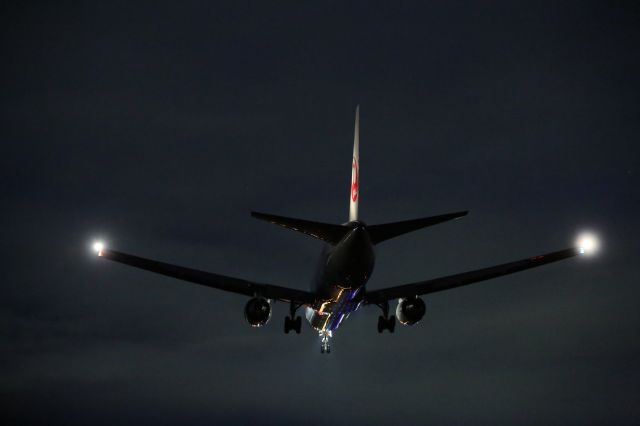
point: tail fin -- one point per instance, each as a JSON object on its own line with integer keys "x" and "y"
{"x": 327, "y": 232}
{"x": 355, "y": 170}
{"x": 383, "y": 232}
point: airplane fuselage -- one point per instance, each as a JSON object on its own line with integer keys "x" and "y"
{"x": 340, "y": 280}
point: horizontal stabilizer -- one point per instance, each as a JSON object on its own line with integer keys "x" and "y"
{"x": 327, "y": 232}
{"x": 383, "y": 232}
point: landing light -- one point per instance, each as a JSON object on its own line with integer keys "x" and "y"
{"x": 587, "y": 243}
{"x": 98, "y": 246}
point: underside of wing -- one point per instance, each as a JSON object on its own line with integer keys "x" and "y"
{"x": 221, "y": 282}
{"x": 453, "y": 281}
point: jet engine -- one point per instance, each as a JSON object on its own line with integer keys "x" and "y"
{"x": 257, "y": 312}
{"x": 410, "y": 310}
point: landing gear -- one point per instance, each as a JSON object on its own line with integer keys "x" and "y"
{"x": 386, "y": 322}
{"x": 293, "y": 322}
{"x": 325, "y": 335}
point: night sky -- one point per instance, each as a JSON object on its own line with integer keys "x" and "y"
{"x": 159, "y": 127}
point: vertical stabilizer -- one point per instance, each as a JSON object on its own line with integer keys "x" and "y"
{"x": 355, "y": 170}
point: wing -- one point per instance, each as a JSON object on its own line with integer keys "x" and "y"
{"x": 453, "y": 281}
{"x": 221, "y": 282}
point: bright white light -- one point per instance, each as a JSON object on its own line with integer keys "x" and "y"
{"x": 98, "y": 246}
{"x": 587, "y": 243}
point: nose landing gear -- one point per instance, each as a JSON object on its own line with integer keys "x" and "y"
{"x": 325, "y": 335}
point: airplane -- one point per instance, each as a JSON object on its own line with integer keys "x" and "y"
{"x": 346, "y": 264}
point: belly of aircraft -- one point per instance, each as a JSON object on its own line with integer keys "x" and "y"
{"x": 327, "y": 315}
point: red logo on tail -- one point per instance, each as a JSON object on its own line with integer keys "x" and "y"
{"x": 354, "y": 180}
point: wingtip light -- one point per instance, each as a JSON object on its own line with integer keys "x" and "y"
{"x": 98, "y": 247}
{"x": 588, "y": 244}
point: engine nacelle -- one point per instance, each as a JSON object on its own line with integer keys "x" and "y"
{"x": 410, "y": 311}
{"x": 257, "y": 312}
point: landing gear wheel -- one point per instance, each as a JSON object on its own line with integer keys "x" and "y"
{"x": 292, "y": 324}
{"x": 324, "y": 342}
{"x": 386, "y": 324}
{"x": 391, "y": 324}
{"x": 298, "y": 325}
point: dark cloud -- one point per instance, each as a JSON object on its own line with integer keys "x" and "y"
{"x": 160, "y": 126}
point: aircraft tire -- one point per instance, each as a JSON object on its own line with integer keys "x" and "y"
{"x": 381, "y": 324}
{"x": 391, "y": 324}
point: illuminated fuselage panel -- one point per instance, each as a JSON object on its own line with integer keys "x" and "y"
{"x": 328, "y": 315}
{"x": 343, "y": 271}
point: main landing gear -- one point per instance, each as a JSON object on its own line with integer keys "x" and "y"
{"x": 325, "y": 335}
{"x": 293, "y": 322}
{"x": 386, "y": 322}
